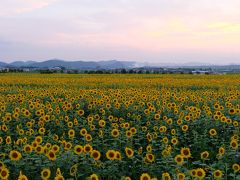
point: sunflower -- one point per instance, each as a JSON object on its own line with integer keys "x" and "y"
{"x": 83, "y": 132}
{"x": 102, "y": 123}
{"x": 41, "y": 130}
{"x": 193, "y": 172}
{"x": 22, "y": 176}
{"x": 126, "y": 125}
{"x": 118, "y": 155}
{"x": 27, "y": 148}
{"x": 47, "y": 118}
{"x": 235, "y": 123}
{"x": 204, "y": 155}
{"x": 232, "y": 111}
{"x": 129, "y": 152}
{"x": 78, "y": 149}
{"x": 68, "y": 146}
{"x": 51, "y": 155}
{"x": 146, "y": 111}
{"x": 234, "y": 144}
{"x": 15, "y": 155}
{"x": 88, "y": 137}
{"x": 55, "y": 137}
{"x": 173, "y": 131}
{"x": 59, "y": 177}
{"x": 212, "y": 132}
{"x": 229, "y": 121}
{"x": 80, "y": 112}
{"x": 48, "y": 145}
{"x": 187, "y": 118}
{"x": 155, "y": 135}
{"x": 155, "y": 128}
{"x": 133, "y": 130}
{"x": 95, "y": 155}
{"x": 144, "y": 128}
{"x": 162, "y": 129}
{"x": 4, "y": 173}
{"x": 184, "y": 128}
{"x": 180, "y": 176}
{"x": 166, "y": 176}
{"x": 128, "y": 134}
{"x": 75, "y": 122}
{"x": 234, "y": 137}
{"x": 21, "y": 132}
{"x": 93, "y": 177}
{"x": 58, "y": 172}
{"x": 221, "y": 150}
{"x": 179, "y": 121}
{"x": 236, "y": 167}
{"x": 185, "y": 152}
{"x": 174, "y": 141}
{"x": 111, "y": 154}
{"x": 179, "y": 159}
{"x": 149, "y": 148}
{"x": 55, "y": 148}
{"x": 8, "y": 140}
{"x": 157, "y": 116}
{"x": 34, "y": 144}
{"x": 110, "y": 118}
{"x": 145, "y": 176}
{"x": 70, "y": 124}
{"x": 115, "y": 133}
{"x": 45, "y": 174}
{"x": 71, "y": 133}
{"x": 2, "y": 165}
{"x": 90, "y": 119}
{"x": 87, "y": 148}
{"x": 200, "y": 173}
{"x": 73, "y": 170}
{"x": 217, "y": 174}
{"x": 150, "y": 157}
{"x": 166, "y": 152}
{"x": 223, "y": 119}
{"x": 169, "y": 121}
{"x": 216, "y": 117}
{"x": 165, "y": 140}
{"x": 100, "y": 133}
{"x": 39, "y": 149}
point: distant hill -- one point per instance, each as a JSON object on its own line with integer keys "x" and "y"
{"x": 79, "y": 65}
{"x": 65, "y": 64}
{"x": 114, "y": 64}
{"x": 2, "y": 64}
{"x": 22, "y": 63}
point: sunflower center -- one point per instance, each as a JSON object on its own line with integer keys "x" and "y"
{"x": 45, "y": 173}
{"x": 14, "y": 155}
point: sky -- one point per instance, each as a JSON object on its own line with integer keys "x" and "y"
{"x": 157, "y": 31}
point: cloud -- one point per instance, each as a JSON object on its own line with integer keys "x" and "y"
{"x": 225, "y": 26}
{"x": 126, "y": 27}
{"x": 15, "y": 7}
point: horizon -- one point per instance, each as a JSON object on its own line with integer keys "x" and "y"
{"x": 137, "y": 63}
{"x": 175, "y": 32}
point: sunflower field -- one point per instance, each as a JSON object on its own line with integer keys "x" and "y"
{"x": 119, "y": 127}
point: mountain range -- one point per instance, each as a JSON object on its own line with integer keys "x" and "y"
{"x": 80, "y": 65}
{"x": 107, "y": 65}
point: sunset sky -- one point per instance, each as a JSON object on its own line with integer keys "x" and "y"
{"x": 158, "y": 31}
